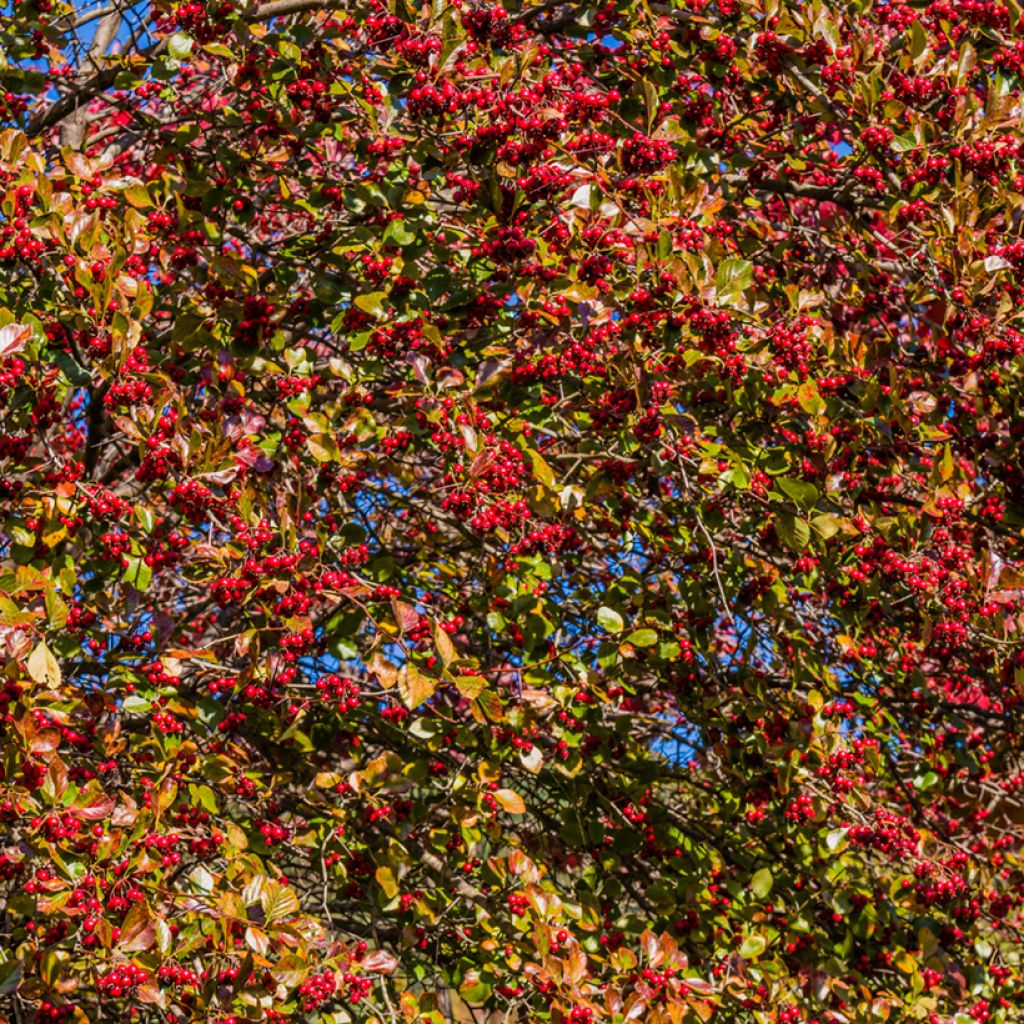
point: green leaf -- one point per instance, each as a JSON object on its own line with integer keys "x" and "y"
{"x": 643, "y": 638}
{"x": 144, "y": 514}
{"x": 451, "y": 37}
{"x": 398, "y": 233}
{"x": 826, "y": 525}
{"x": 219, "y": 50}
{"x": 470, "y": 686}
{"x": 835, "y": 839}
{"x": 793, "y": 532}
{"x": 761, "y": 883}
{"x": 804, "y": 494}
{"x": 733, "y": 277}
{"x": 138, "y": 574}
{"x": 809, "y": 398}
{"x": 609, "y": 619}
{"x": 69, "y": 366}
{"x": 753, "y": 946}
{"x": 10, "y": 976}
{"x": 372, "y": 303}
{"x": 179, "y": 46}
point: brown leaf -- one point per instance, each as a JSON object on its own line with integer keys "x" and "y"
{"x": 138, "y": 932}
{"x": 98, "y": 808}
{"x": 380, "y": 961}
{"x": 13, "y": 338}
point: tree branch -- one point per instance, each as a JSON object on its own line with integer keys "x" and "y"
{"x": 88, "y": 89}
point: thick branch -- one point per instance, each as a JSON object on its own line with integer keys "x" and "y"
{"x": 799, "y": 189}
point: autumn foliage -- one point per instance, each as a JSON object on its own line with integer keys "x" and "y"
{"x": 511, "y": 514}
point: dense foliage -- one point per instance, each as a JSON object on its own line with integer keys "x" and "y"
{"x": 511, "y": 514}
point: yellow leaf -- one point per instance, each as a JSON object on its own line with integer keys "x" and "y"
{"x": 444, "y": 645}
{"x": 414, "y": 686}
{"x": 43, "y": 667}
{"x": 386, "y": 880}
{"x": 510, "y": 801}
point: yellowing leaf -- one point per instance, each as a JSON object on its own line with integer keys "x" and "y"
{"x": 278, "y": 901}
{"x": 510, "y": 801}
{"x": 414, "y": 686}
{"x": 386, "y": 880}
{"x": 138, "y": 931}
{"x": 43, "y": 666}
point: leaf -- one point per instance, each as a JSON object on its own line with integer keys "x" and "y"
{"x": 533, "y": 761}
{"x": 733, "y": 277}
{"x": 473, "y": 989}
{"x": 219, "y": 50}
{"x": 947, "y": 467}
{"x": 510, "y": 801}
{"x": 257, "y": 940}
{"x": 43, "y": 667}
{"x": 610, "y": 620}
{"x": 179, "y": 46}
{"x": 918, "y": 40}
{"x": 809, "y": 398}
{"x": 203, "y": 879}
{"x": 151, "y": 993}
{"x": 753, "y": 946}
{"x": 444, "y": 645}
{"x": 451, "y": 37}
{"x": 164, "y": 938}
{"x": 398, "y": 233}
{"x": 541, "y": 470}
{"x": 323, "y": 448}
{"x": 11, "y": 972}
{"x": 13, "y": 338}
{"x": 278, "y": 901}
{"x": 793, "y": 532}
{"x": 804, "y": 494}
{"x": 372, "y": 303}
{"x": 643, "y": 638}
{"x": 414, "y": 686}
{"x": 99, "y": 807}
{"x": 826, "y": 525}
{"x": 967, "y": 63}
{"x": 761, "y": 883}
{"x": 386, "y": 880}
{"x": 386, "y": 673}
{"x": 470, "y": 686}
{"x": 705, "y": 988}
{"x": 581, "y": 197}
{"x": 994, "y": 263}
{"x": 651, "y": 102}
{"x": 138, "y": 574}
{"x": 138, "y": 931}
{"x": 835, "y": 839}
{"x": 380, "y": 961}
{"x": 138, "y": 196}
